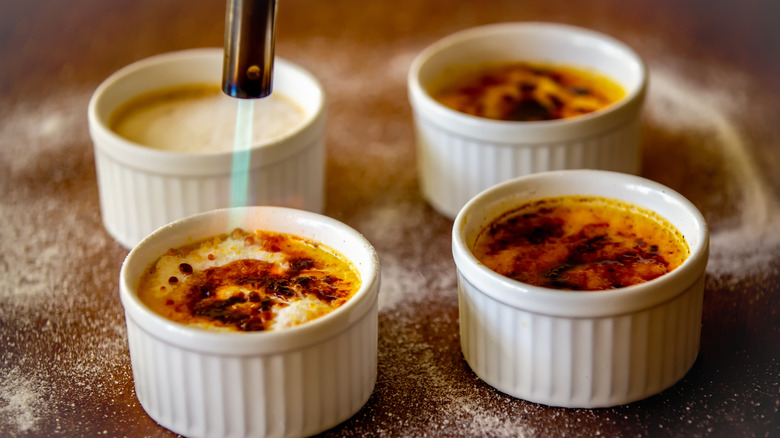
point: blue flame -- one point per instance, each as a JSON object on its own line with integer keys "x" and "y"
{"x": 242, "y": 142}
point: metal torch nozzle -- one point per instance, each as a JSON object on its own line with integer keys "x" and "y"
{"x": 250, "y": 33}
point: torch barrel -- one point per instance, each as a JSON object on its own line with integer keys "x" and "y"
{"x": 250, "y": 34}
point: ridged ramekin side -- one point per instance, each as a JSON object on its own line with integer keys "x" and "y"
{"x": 135, "y": 202}
{"x": 454, "y": 168}
{"x": 579, "y": 362}
{"x": 293, "y": 393}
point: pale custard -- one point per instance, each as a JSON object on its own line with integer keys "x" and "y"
{"x": 201, "y": 119}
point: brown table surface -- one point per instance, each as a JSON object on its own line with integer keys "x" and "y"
{"x": 711, "y": 131}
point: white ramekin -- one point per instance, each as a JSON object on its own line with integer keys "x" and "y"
{"x": 292, "y": 382}
{"x": 580, "y": 349}
{"x": 142, "y": 188}
{"x": 460, "y": 155}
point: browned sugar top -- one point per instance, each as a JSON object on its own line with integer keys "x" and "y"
{"x": 248, "y": 281}
{"x": 581, "y": 243}
{"x": 528, "y": 92}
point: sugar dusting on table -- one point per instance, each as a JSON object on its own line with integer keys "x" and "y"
{"x": 682, "y": 105}
{"x": 50, "y": 247}
{"x": 22, "y": 398}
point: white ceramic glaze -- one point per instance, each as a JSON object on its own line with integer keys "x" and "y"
{"x": 292, "y": 382}
{"x": 460, "y": 155}
{"x": 580, "y": 349}
{"x": 142, "y": 188}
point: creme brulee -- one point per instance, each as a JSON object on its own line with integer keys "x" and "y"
{"x": 200, "y": 119}
{"x": 248, "y": 281}
{"x": 528, "y": 92}
{"x": 581, "y": 243}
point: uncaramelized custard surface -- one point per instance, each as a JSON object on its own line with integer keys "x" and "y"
{"x": 200, "y": 119}
{"x": 248, "y": 281}
{"x": 581, "y": 243}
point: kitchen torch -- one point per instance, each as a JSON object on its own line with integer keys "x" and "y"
{"x": 250, "y": 33}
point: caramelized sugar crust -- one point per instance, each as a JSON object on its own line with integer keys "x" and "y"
{"x": 581, "y": 243}
{"x": 528, "y": 92}
{"x": 248, "y": 281}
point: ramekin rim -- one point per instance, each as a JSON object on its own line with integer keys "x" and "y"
{"x": 545, "y": 300}
{"x": 287, "y": 338}
{"x": 124, "y": 145}
{"x": 419, "y": 96}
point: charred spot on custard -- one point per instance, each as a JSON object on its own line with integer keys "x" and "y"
{"x": 269, "y": 289}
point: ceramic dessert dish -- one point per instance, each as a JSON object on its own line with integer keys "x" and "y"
{"x": 142, "y": 188}
{"x": 460, "y": 155}
{"x": 295, "y": 381}
{"x": 582, "y": 349}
